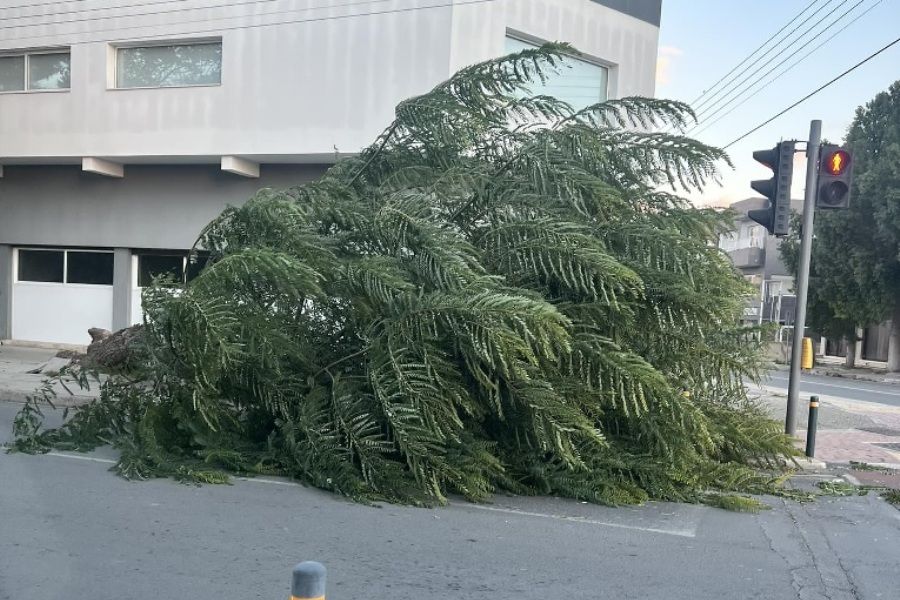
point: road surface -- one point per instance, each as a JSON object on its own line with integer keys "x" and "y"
{"x": 850, "y": 389}
{"x": 70, "y": 529}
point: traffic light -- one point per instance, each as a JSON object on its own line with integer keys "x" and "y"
{"x": 835, "y": 168}
{"x": 777, "y": 216}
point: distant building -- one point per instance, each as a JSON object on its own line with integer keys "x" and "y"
{"x": 755, "y": 254}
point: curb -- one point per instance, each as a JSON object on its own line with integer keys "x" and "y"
{"x": 811, "y": 464}
{"x": 62, "y": 400}
{"x": 886, "y": 379}
{"x": 878, "y": 465}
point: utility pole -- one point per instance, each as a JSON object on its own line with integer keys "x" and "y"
{"x": 809, "y": 207}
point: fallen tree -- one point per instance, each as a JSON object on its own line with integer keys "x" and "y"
{"x": 495, "y": 295}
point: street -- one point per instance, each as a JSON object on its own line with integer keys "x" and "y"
{"x": 71, "y": 529}
{"x": 850, "y": 389}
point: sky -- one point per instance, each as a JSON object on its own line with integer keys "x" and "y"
{"x": 702, "y": 40}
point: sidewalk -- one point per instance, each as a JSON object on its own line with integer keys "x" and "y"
{"x": 861, "y": 374}
{"x": 848, "y": 430}
{"x": 16, "y": 383}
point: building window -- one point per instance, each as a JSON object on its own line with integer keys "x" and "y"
{"x": 94, "y": 268}
{"x": 49, "y": 71}
{"x": 39, "y": 71}
{"x": 91, "y": 267}
{"x": 579, "y": 82}
{"x": 151, "y": 266}
{"x": 41, "y": 265}
{"x": 175, "y": 65}
{"x": 176, "y": 266}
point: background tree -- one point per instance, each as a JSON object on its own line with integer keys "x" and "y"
{"x": 494, "y": 295}
{"x": 855, "y": 272}
{"x": 834, "y": 307}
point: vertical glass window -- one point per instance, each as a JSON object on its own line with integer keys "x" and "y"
{"x": 12, "y": 73}
{"x": 579, "y": 83}
{"x": 169, "y": 66}
{"x": 49, "y": 71}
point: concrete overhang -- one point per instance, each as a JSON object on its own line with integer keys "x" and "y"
{"x": 101, "y": 166}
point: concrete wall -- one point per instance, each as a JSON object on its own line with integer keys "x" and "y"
{"x": 748, "y": 258}
{"x": 294, "y": 89}
{"x": 299, "y": 81}
{"x": 152, "y": 207}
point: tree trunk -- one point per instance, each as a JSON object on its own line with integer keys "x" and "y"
{"x": 893, "y": 361}
{"x": 850, "y": 361}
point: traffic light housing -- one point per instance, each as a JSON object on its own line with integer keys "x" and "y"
{"x": 835, "y": 171}
{"x": 776, "y": 217}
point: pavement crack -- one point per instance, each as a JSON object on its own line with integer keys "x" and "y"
{"x": 831, "y": 570}
{"x": 809, "y": 551}
{"x": 854, "y": 589}
{"x": 794, "y": 570}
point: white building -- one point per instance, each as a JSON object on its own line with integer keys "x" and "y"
{"x": 126, "y": 125}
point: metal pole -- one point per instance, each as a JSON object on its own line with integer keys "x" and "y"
{"x": 811, "y": 425}
{"x": 809, "y": 207}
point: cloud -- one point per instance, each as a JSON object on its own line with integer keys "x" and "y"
{"x": 664, "y": 60}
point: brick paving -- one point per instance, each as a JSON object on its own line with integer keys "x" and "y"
{"x": 848, "y": 430}
{"x": 845, "y": 445}
{"x": 887, "y": 479}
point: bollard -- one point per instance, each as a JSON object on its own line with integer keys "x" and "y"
{"x": 308, "y": 582}
{"x": 811, "y": 426}
{"x": 806, "y": 357}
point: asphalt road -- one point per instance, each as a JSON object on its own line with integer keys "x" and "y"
{"x": 70, "y": 529}
{"x": 851, "y": 389}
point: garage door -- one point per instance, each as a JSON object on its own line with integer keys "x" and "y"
{"x": 58, "y": 294}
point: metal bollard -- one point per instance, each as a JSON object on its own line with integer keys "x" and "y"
{"x": 811, "y": 426}
{"x": 308, "y": 581}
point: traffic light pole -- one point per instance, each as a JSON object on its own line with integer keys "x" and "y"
{"x": 809, "y": 207}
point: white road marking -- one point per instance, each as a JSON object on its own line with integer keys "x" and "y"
{"x": 689, "y": 533}
{"x": 846, "y": 387}
{"x": 82, "y": 457}
{"x": 268, "y": 481}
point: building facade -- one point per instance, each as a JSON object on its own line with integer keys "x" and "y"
{"x": 126, "y": 126}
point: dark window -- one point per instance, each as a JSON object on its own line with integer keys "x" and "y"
{"x": 156, "y": 265}
{"x": 89, "y": 267}
{"x": 41, "y": 265}
{"x": 196, "y": 264}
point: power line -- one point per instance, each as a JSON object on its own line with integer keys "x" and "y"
{"x": 749, "y": 56}
{"x": 769, "y": 61}
{"x": 736, "y": 94}
{"x": 252, "y": 25}
{"x": 812, "y": 93}
{"x": 35, "y": 4}
{"x": 790, "y": 67}
{"x": 176, "y": 10}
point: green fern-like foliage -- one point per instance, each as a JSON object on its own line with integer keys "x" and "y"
{"x": 495, "y": 295}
